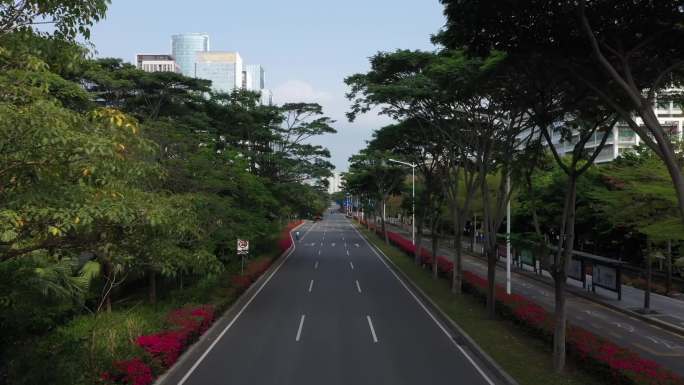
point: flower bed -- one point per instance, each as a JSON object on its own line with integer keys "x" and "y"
{"x": 161, "y": 350}
{"x": 617, "y": 364}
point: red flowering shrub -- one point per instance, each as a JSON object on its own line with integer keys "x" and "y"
{"x": 129, "y": 372}
{"x": 187, "y": 325}
{"x": 285, "y": 241}
{"x": 165, "y": 347}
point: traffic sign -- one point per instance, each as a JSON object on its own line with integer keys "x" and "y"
{"x": 242, "y": 246}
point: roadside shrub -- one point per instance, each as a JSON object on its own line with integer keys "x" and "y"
{"x": 130, "y": 372}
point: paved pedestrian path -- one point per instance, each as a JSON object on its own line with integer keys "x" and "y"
{"x": 598, "y": 312}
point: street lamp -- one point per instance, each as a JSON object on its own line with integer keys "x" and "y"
{"x": 413, "y": 197}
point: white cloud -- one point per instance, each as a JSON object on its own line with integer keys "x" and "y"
{"x": 295, "y": 91}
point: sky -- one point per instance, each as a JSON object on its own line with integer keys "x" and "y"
{"x": 306, "y": 47}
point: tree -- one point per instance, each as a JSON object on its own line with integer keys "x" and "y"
{"x": 625, "y": 53}
{"x": 68, "y": 17}
{"x": 371, "y": 172}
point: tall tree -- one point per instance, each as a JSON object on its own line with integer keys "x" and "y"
{"x": 626, "y": 53}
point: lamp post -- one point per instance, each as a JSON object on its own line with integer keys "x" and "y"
{"x": 508, "y": 233}
{"x": 413, "y": 197}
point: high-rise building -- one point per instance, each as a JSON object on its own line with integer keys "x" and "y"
{"x": 266, "y": 97}
{"x": 255, "y": 80}
{"x": 224, "y": 69}
{"x": 256, "y": 77}
{"x": 184, "y": 48}
{"x": 156, "y": 63}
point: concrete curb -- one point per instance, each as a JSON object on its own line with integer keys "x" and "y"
{"x": 195, "y": 350}
{"x": 461, "y": 337}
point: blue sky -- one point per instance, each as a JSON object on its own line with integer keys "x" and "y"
{"x": 307, "y": 47}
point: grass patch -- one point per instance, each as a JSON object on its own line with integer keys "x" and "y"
{"x": 524, "y": 357}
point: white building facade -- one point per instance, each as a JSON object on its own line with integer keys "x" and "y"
{"x": 156, "y": 63}
{"x": 335, "y": 183}
{"x": 622, "y": 138}
{"x": 224, "y": 69}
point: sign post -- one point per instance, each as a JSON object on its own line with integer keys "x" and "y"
{"x": 242, "y": 250}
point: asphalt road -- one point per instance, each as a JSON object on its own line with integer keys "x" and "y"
{"x": 333, "y": 313}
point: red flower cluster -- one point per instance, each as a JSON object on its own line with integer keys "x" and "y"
{"x": 130, "y": 372}
{"x": 187, "y": 324}
{"x": 285, "y": 241}
{"x": 624, "y": 365}
{"x": 163, "y": 349}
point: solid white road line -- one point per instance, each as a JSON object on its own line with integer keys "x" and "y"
{"x": 310, "y": 285}
{"x": 299, "y": 331}
{"x": 352, "y": 265}
{"x": 372, "y": 329}
{"x": 307, "y": 231}
{"x": 223, "y": 332}
{"x": 420, "y": 303}
{"x": 358, "y": 287}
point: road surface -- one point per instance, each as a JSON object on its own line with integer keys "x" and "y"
{"x": 333, "y": 313}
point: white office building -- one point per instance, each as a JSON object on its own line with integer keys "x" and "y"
{"x": 255, "y": 80}
{"x": 224, "y": 69}
{"x": 335, "y": 183}
{"x": 622, "y": 138}
{"x": 156, "y": 63}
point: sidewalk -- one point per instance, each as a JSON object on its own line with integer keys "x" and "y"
{"x": 651, "y": 336}
{"x": 668, "y": 312}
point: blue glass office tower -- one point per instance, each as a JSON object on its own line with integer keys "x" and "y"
{"x": 184, "y": 48}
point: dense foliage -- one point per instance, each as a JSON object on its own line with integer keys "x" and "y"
{"x": 112, "y": 178}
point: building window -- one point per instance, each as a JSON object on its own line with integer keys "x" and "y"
{"x": 626, "y": 134}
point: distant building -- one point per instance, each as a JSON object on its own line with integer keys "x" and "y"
{"x": 184, "y": 48}
{"x": 622, "y": 138}
{"x": 266, "y": 97}
{"x": 224, "y": 69}
{"x": 256, "y": 77}
{"x": 335, "y": 183}
{"x": 255, "y": 80}
{"x": 156, "y": 63}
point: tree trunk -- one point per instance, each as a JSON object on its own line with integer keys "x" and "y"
{"x": 419, "y": 241}
{"x": 384, "y": 229}
{"x": 457, "y": 272}
{"x": 666, "y": 154}
{"x": 491, "y": 282}
{"x": 649, "y": 275}
{"x": 435, "y": 247}
{"x": 152, "y": 286}
{"x": 560, "y": 318}
{"x": 560, "y": 269}
{"x": 668, "y": 282}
